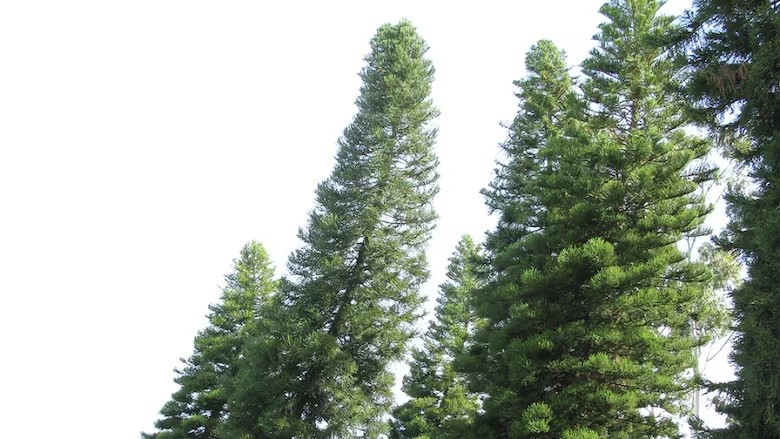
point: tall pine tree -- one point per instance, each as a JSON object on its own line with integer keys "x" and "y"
{"x": 198, "y": 408}
{"x": 440, "y": 405}
{"x": 352, "y": 296}
{"x": 734, "y": 54}
{"x": 588, "y": 331}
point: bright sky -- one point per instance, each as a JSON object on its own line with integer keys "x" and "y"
{"x": 143, "y": 143}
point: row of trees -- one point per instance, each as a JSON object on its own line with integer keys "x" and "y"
{"x": 581, "y": 317}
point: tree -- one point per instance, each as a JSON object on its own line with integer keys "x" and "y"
{"x": 588, "y": 328}
{"x": 199, "y": 406}
{"x": 734, "y": 56}
{"x": 351, "y": 299}
{"x": 440, "y": 405}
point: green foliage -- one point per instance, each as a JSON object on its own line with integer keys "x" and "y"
{"x": 348, "y": 307}
{"x": 198, "y": 408}
{"x": 588, "y": 319}
{"x": 440, "y": 404}
{"x": 733, "y": 50}
{"x": 734, "y": 54}
{"x": 588, "y": 316}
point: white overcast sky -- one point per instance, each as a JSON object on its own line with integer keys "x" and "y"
{"x": 143, "y": 143}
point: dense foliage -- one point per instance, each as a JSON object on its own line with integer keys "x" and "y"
{"x": 734, "y": 57}
{"x": 583, "y": 317}
{"x": 589, "y": 331}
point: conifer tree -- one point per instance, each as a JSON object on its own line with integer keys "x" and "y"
{"x": 351, "y": 299}
{"x": 734, "y": 55}
{"x": 198, "y": 408}
{"x": 440, "y": 405}
{"x": 588, "y": 318}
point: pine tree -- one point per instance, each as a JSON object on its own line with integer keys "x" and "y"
{"x": 588, "y": 316}
{"x": 440, "y": 405}
{"x": 199, "y": 406}
{"x": 546, "y": 102}
{"x": 735, "y": 87}
{"x": 352, "y": 296}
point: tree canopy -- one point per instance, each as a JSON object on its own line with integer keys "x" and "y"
{"x": 582, "y": 315}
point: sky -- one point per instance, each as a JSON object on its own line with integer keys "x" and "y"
{"x": 143, "y": 143}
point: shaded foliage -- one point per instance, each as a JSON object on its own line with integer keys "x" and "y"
{"x": 734, "y": 64}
